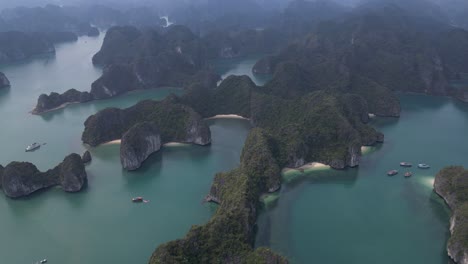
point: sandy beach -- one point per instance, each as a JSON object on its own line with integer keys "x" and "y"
{"x": 308, "y": 167}
{"x": 227, "y": 117}
{"x": 170, "y": 144}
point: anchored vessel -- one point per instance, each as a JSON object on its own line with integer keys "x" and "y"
{"x": 405, "y": 164}
{"x": 137, "y": 199}
{"x": 392, "y": 173}
{"x": 423, "y": 166}
{"x": 32, "y": 147}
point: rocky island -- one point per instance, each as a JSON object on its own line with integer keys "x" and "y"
{"x": 4, "y": 82}
{"x": 317, "y": 126}
{"x": 143, "y": 128}
{"x": 20, "y": 179}
{"x": 138, "y": 59}
{"x": 451, "y": 184}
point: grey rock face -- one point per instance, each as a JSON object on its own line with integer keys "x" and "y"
{"x": 138, "y": 144}
{"x": 4, "y": 82}
{"x": 23, "y": 178}
{"x": 354, "y": 157}
{"x": 72, "y": 173}
{"x": 86, "y": 157}
{"x": 197, "y": 130}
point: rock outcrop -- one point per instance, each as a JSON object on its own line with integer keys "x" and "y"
{"x": 4, "y": 82}
{"x": 72, "y": 173}
{"x": 138, "y": 143}
{"x": 86, "y": 157}
{"x": 451, "y": 184}
{"x": 177, "y": 123}
{"x": 229, "y": 236}
{"x": 54, "y": 100}
{"x": 23, "y": 178}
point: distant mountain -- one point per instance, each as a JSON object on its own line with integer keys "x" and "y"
{"x": 50, "y": 18}
{"x": 386, "y": 45}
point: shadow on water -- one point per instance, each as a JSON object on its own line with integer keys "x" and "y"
{"x": 4, "y": 95}
{"x": 421, "y": 102}
{"x": 462, "y": 106}
{"x": 383, "y": 122}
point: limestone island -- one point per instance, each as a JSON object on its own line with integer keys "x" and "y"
{"x": 4, "y": 82}
{"x": 143, "y": 129}
{"x": 451, "y": 184}
{"x": 139, "y": 59}
{"x": 288, "y": 131}
{"x": 19, "y": 179}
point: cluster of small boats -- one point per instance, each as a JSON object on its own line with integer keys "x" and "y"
{"x": 407, "y": 165}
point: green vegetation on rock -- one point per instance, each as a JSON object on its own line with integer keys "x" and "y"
{"x": 229, "y": 236}
{"x": 451, "y": 183}
{"x": 177, "y": 123}
{"x": 23, "y": 178}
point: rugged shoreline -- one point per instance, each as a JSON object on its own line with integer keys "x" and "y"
{"x": 451, "y": 184}
{"x": 19, "y": 179}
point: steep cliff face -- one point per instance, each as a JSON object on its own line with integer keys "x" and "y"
{"x": 54, "y": 100}
{"x": 138, "y": 143}
{"x": 451, "y": 184}
{"x": 4, "y": 82}
{"x": 177, "y": 123}
{"x": 72, "y": 173}
{"x": 23, "y": 178}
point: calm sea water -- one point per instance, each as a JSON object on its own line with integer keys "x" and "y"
{"x": 363, "y": 216}
{"x": 355, "y": 216}
{"x": 99, "y": 224}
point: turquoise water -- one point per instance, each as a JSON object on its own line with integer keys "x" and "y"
{"x": 99, "y": 224}
{"x": 363, "y": 216}
{"x": 241, "y": 66}
{"x": 355, "y": 216}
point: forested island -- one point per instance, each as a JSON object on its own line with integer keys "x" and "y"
{"x": 332, "y": 68}
{"x": 316, "y": 107}
{"x": 19, "y": 179}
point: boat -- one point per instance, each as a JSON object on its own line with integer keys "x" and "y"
{"x": 33, "y": 146}
{"x": 423, "y": 166}
{"x": 43, "y": 261}
{"x": 405, "y": 164}
{"x": 137, "y": 199}
{"x": 408, "y": 174}
{"x": 392, "y": 173}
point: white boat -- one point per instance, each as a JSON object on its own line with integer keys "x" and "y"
{"x": 423, "y": 166}
{"x": 33, "y": 146}
{"x": 43, "y": 261}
